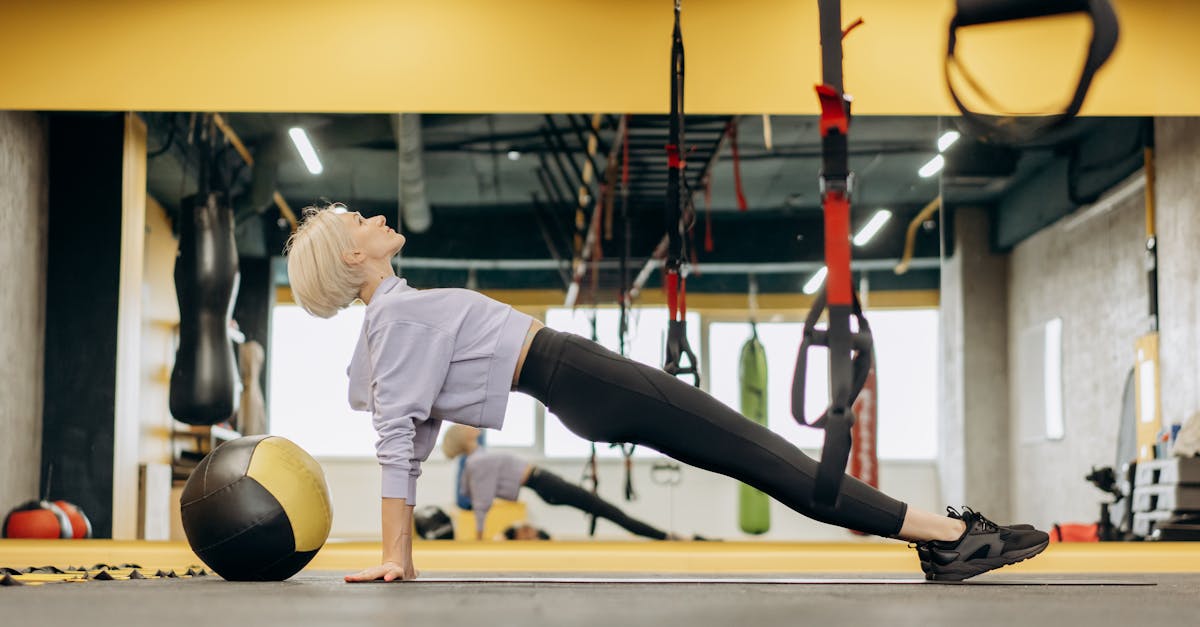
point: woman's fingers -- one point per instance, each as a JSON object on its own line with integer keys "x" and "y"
{"x": 368, "y": 574}
{"x": 386, "y": 573}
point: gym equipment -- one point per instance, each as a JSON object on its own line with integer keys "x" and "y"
{"x": 204, "y": 380}
{"x": 849, "y": 351}
{"x": 432, "y": 523}
{"x": 864, "y": 458}
{"x": 1011, "y": 129}
{"x": 1166, "y": 494}
{"x": 754, "y": 506}
{"x": 256, "y": 509}
{"x": 46, "y": 520}
{"x": 81, "y": 526}
{"x": 252, "y": 410}
{"x": 680, "y": 360}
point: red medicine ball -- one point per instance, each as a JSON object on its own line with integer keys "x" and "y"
{"x": 81, "y": 527}
{"x": 46, "y": 520}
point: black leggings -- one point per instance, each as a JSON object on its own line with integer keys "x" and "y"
{"x": 604, "y": 397}
{"x": 555, "y": 490}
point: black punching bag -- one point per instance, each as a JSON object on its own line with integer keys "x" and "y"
{"x": 204, "y": 380}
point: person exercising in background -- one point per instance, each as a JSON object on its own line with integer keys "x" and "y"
{"x": 488, "y": 475}
{"x": 525, "y": 531}
{"x": 433, "y": 355}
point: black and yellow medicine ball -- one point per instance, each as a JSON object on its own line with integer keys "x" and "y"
{"x": 256, "y": 509}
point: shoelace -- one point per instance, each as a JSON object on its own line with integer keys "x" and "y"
{"x": 988, "y": 525}
{"x": 969, "y": 516}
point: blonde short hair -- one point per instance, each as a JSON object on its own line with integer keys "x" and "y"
{"x": 458, "y": 438}
{"x": 322, "y": 282}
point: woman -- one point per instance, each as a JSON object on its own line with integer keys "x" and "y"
{"x": 488, "y": 475}
{"x": 425, "y": 356}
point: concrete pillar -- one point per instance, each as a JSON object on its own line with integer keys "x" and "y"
{"x": 973, "y": 429}
{"x": 1177, "y": 142}
{"x": 23, "y": 185}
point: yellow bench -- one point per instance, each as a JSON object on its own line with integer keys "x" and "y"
{"x": 500, "y": 516}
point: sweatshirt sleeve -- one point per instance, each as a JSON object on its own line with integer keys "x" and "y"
{"x": 409, "y": 363}
{"x": 481, "y": 484}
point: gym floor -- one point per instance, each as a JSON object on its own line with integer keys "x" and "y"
{"x": 693, "y": 584}
{"x": 320, "y": 598}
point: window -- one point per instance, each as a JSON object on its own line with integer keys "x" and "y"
{"x": 906, "y": 350}
{"x": 309, "y": 388}
{"x": 308, "y": 384}
{"x": 645, "y": 342}
{"x": 519, "y": 423}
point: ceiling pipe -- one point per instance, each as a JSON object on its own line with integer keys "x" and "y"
{"x": 783, "y": 267}
{"x": 414, "y": 205}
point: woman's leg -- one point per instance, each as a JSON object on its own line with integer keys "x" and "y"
{"x": 604, "y": 397}
{"x": 557, "y": 491}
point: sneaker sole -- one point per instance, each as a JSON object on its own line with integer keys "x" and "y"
{"x": 959, "y": 572}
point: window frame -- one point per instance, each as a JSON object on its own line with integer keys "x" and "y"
{"x": 536, "y": 451}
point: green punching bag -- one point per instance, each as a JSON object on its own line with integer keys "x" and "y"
{"x": 754, "y": 506}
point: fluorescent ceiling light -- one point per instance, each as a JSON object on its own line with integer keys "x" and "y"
{"x": 815, "y": 282}
{"x": 305, "y": 147}
{"x": 947, "y": 139}
{"x": 513, "y": 155}
{"x": 934, "y": 166}
{"x": 872, "y": 227}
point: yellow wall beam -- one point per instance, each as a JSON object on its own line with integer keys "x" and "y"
{"x": 524, "y": 55}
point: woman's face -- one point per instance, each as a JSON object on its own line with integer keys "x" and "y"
{"x": 372, "y": 236}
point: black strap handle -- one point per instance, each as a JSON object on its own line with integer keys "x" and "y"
{"x": 1010, "y": 129}
{"x": 845, "y": 385}
{"x": 680, "y": 358}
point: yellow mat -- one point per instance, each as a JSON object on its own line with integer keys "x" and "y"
{"x": 626, "y": 557}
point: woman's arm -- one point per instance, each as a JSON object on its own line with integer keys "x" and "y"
{"x": 408, "y": 367}
{"x": 397, "y": 545}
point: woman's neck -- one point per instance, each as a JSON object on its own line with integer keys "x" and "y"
{"x": 375, "y": 276}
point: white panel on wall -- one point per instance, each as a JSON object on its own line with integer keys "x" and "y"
{"x": 1039, "y": 383}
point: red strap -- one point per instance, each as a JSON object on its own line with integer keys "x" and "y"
{"x": 672, "y": 294}
{"x": 856, "y": 24}
{"x": 708, "y": 236}
{"x": 833, "y": 111}
{"x": 737, "y": 167}
{"x": 837, "y": 248}
{"x": 673, "y": 160}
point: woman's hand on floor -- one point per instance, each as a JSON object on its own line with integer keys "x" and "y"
{"x": 387, "y": 571}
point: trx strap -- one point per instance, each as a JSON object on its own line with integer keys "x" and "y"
{"x": 675, "y": 274}
{"x": 708, "y": 236}
{"x": 591, "y": 478}
{"x": 1007, "y": 128}
{"x": 737, "y": 166}
{"x": 623, "y": 323}
{"x": 626, "y": 236}
{"x": 849, "y": 350}
{"x": 627, "y": 453}
{"x": 590, "y": 470}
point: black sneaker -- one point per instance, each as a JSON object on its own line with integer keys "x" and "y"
{"x": 983, "y": 546}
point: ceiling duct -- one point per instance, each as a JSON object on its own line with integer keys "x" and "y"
{"x": 414, "y": 206}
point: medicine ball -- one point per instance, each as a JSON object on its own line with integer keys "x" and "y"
{"x": 38, "y": 519}
{"x": 432, "y": 523}
{"x": 256, "y": 509}
{"x": 81, "y": 526}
